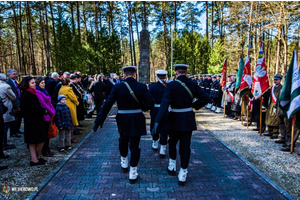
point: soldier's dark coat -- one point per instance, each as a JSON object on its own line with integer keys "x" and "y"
{"x": 128, "y": 124}
{"x": 177, "y": 97}
{"x": 157, "y": 90}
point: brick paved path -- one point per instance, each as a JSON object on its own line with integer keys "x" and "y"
{"x": 94, "y": 172}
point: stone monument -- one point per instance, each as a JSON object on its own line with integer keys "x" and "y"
{"x": 144, "y": 63}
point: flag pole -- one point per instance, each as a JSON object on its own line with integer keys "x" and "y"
{"x": 260, "y": 117}
{"x": 224, "y": 103}
{"x": 292, "y": 134}
{"x": 247, "y": 116}
{"x": 242, "y": 111}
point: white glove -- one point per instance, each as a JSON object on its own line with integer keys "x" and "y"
{"x": 263, "y": 107}
{"x": 275, "y": 111}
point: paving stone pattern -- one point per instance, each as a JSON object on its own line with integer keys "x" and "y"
{"x": 94, "y": 172}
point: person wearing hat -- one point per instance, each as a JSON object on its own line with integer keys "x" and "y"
{"x": 157, "y": 90}
{"x": 132, "y": 99}
{"x": 213, "y": 92}
{"x": 271, "y": 118}
{"x": 179, "y": 96}
{"x": 218, "y": 94}
{"x": 207, "y": 87}
{"x": 78, "y": 91}
{"x": 202, "y": 82}
{"x": 230, "y": 95}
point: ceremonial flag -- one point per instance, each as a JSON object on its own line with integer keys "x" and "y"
{"x": 260, "y": 80}
{"x": 239, "y": 74}
{"x": 290, "y": 93}
{"x": 224, "y": 76}
{"x": 246, "y": 81}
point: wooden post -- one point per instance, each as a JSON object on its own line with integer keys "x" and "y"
{"x": 224, "y": 103}
{"x": 260, "y": 117}
{"x": 247, "y": 116}
{"x": 292, "y": 134}
{"x": 242, "y": 111}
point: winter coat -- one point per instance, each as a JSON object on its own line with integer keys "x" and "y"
{"x": 78, "y": 91}
{"x": 271, "y": 118}
{"x": 7, "y": 96}
{"x": 236, "y": 107}
{"x": 15, "y": 91}
{"x": 63, "y": 118}
{"x": 72, "y": 102}
{"x": 45, "y": 102}
{"x": 34, "y": 130}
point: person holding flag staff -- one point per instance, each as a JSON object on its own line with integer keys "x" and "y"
{"x": 132, "y": 99}
{"x": 179, "y": 95}
{"x": 230, "y": 95}
{"x": 157, "y": 90}
{"x": 289, "y": 101}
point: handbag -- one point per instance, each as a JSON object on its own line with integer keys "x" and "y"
{"x": 52, "y": 131}
{"x": 15, "y": 110}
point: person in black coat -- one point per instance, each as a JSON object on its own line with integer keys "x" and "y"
{"x": 130, "y": 118}
{"x": 157, "y": 90}
{"x": 179, "y": 95}
{"x": 99, "y": 90}
{"x": 34, "y": 132}
{"x": 51, "y": 84}
{"x": 78, "y": 91}
{"x": 218, "y": 94}
{"x": 207, "y": 86}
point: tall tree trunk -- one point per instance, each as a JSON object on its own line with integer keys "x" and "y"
{"x": 144, "y": 11}
{"x": 175, "y": 14}
{"x": 43, "y": 47}
{"x": 15, "y": 21}
{"x": 206, "y": 8}
{"x": 100, "y": 14}
{"x": 84, "y": 22}
{"x": 212, "y": 24}
{"x": 47, "y": 38}
{"x": 129, "y": 23}
{"x": 250, "y": 21}
{"x": 221, "y": 20}
{"x": 73, "y": 20}
{"x": 278, "y": 44}
{"x": 78, "y": 22}
{"x": 53, "y": 29}
{"x": 30, "y": 37}
{"x": 22, "y": 41}
{"x": 96, "y": 19}
{"x": 285, "y": 45}
{"x": 165, "y": 31}
{"x": 136, "y": 25}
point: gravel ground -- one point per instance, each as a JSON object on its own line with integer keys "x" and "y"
{"x": 281, "y": 167}
{"x": 20, "y": 174}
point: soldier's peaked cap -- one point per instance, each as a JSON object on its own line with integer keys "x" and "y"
{"x": 278, "y": 76}
{"x": 208, "y": 75}
{"x": 161, "y": 72}
{"x": 181, "y": 66}
{"x": 129, "y": 68}
{"x": 219, "y": 75}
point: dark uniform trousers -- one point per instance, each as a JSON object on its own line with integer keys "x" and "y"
{"x": 15, "y": 125}
{"x": 288, "y": 136}
{"x": 163, "y": 139}
{"x": 273, "y": 130}
{"x": 228, "y": 108}
{"x": 282, "y": 128}
{"x": 184, "y": 146}
{"x": 133, "y": 146}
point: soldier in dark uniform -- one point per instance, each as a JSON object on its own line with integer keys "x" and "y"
{"x": 200, "y": 79}
{"x": 213, "y": 93}
{"x": 202, "y": 82}
{"x": 157, "y": 90}
{"x": 207, "y": 88}
{"x": 218, "y": 94}
{"x": 179, "y": 96}
{"x": 130, "y": 118}
{"x": 230, "y": 96}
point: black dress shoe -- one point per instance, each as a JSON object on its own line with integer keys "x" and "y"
{"x": 15, "y": 135}
{"x": 3, "y": 167}
{"x": 284, "y": 145}
{"x": 20, "y": 132}
{"x": 255, "y": 129}
{"x": 286, "y": 149}
{"x": 42, "y": 160}
{"x": 267, "y": 134}
{"x": 273, "y": 137}
{"x": 36, "y": 164}
{"x": 280, "y": 141}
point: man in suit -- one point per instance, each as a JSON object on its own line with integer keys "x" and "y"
{"x": 51, "y": 84}
{"x": 157, "y": 90}
{"x": 15, "y": 125}
{"x": 132, "y": 99}
{"x": 179, "y": 95}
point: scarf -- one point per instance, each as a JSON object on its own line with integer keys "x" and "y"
{"x": 43, "y": 90}
{"x": 32, "y": 91}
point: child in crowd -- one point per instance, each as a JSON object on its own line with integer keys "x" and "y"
{"x": 64, "y": 123}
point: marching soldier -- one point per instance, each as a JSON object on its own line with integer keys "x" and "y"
{"x": 212, "y": 92}
{"x": 202, "y": 82}
{"x": 271, "y": 118}
{"x": 200, "y": 79}
{"x": 207, "y": 88}
{"x": 218, "y": 94}
{"x": 157, "y": 90}
{"x": 179, "y": 96}
{"x": 132, "y": 98}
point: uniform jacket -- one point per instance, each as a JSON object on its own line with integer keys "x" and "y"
{"x": 63, "y": 118}
{"x": 207, "y": 86}
{"x": 128, "y": 124}
{"x": 98, "y": 90}
{"x": 71, "y": 101}
{"x": 45, "y": 102}
{"x": 14, "y": 89}
{"x": 213, "y": 94}
{"x": 157, "y": 90}
{"x": 271, "y": 118}
{"x": 7, "y": 96}
{"x": 176, "y": 96}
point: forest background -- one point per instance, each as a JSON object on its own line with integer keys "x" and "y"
{"x": 102, "y": 36}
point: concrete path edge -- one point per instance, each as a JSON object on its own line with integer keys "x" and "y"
{"x": 277, "y": 187}
{"x": 61, "y": 164}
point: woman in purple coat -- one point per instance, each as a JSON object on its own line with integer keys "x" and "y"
{"x": 45, "y": 100}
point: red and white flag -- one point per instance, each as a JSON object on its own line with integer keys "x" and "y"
{"x": 260, "y": 79}
{"x": 246, "y": 81}
{"x": 224, "y": 72}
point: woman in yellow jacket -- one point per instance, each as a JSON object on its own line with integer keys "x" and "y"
{"x": 72, "y": 102}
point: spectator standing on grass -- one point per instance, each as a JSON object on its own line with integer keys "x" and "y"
{"x": 7, "y": 96}
{"x": 34, "y": 130}
{"x": 71, "y": 102}
{"x": 64, "y": 123}
{"x": 45, "y": 101}
{"x": 15, "y": 126}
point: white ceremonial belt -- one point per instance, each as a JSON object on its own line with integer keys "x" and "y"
{"x": 157, "y": 105}
{"x": 129, "y": 111}
{"x": 179, "y": 110}
{"x": 212, "y": 89}
{"x": 217, "y": 90}
{"x": 207, "y": 88}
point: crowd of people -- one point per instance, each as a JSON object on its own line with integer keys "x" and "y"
{"x": 64, "y": 98}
